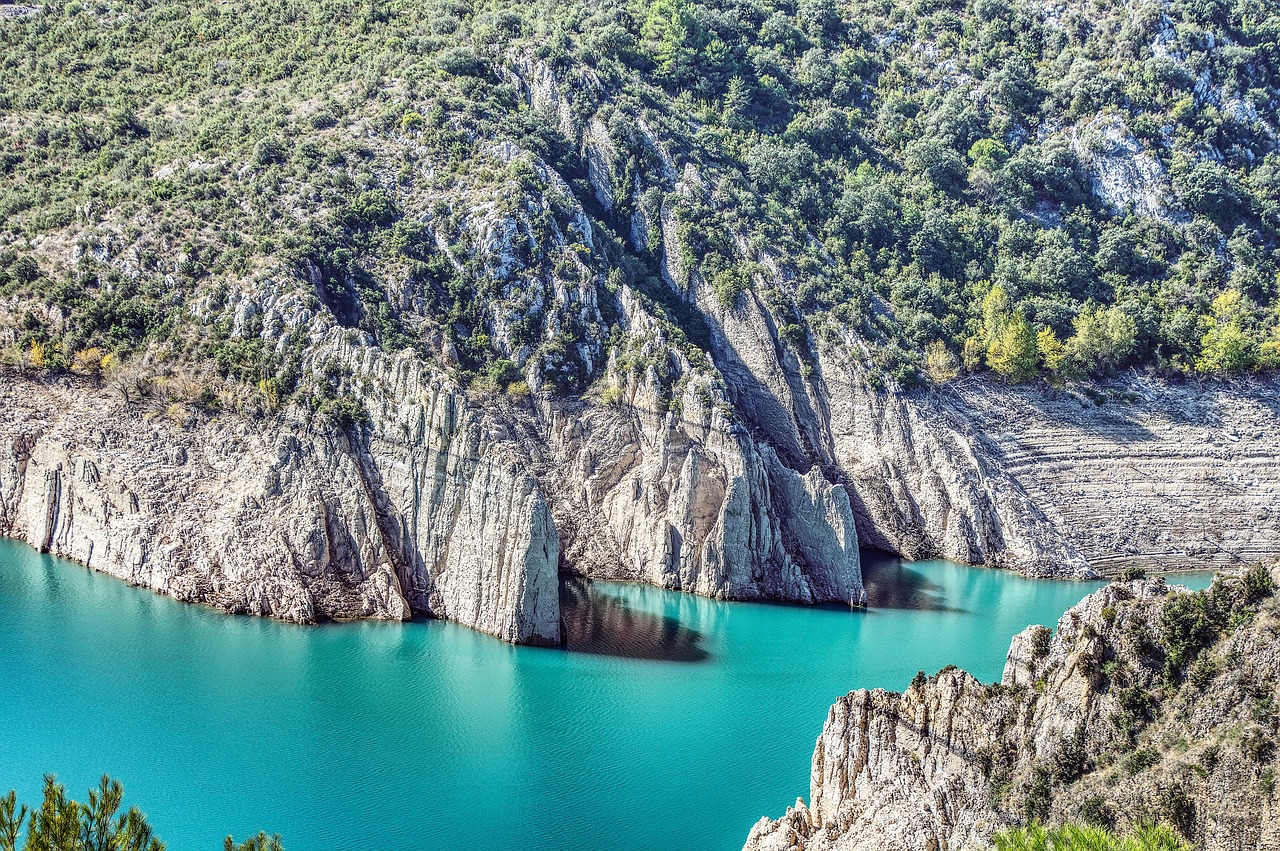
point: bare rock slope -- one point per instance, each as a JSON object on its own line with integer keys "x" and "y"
{"x": 283, "y": 520}
{"x": 1147, "y": 702}
{"x": 1140, "y": 471}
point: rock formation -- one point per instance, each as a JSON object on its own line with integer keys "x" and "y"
{"x": 1132, "y": 710}
{"x": 609, "y": 408}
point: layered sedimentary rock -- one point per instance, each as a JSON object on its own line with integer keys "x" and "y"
{"x": 701, "y": 509}
{"x": 276, "y": 518}
{"x": 1093, "y": 722}
{"x": 1142, "y": 471}
{"x": 1138, "y": 471}
{"x": 666, "y": 428}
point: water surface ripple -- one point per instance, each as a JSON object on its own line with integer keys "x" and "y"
{"x": 674, "y": 722}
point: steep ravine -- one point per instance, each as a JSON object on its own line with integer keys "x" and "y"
{"x": 1120, "y": 717}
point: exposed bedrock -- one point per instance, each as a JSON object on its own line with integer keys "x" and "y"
{"x": 950, "y": 761}
{"x": 443, "y": 505}
{"x": 423, "y": 511}
{"x": 1140, "y": 471}
{"x": 704, "y": 510}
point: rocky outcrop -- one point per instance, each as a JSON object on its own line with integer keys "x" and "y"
{"x": 1100, "y": 721}
{"x": 440, "y": 503}
{"x": 927, "y": 484}
{"x": 275, "y": 518}
{"x": 1122, "y": 174}
{"x": 1049, "y": 482}
{"x": 700, "y": 509}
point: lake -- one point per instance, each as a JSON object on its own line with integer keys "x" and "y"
{"x": 672, "y": 722}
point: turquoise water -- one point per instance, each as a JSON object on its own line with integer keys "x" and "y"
{"x": 676, "y": 723}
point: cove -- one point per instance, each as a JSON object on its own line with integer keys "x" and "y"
{"x": 674, "y": 723}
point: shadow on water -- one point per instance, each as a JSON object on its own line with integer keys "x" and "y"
{"x": 891, "y": 584}
{"x": 602, "y": 624}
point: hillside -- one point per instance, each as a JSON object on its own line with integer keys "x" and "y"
{"x": 972, "y": 174}
{"x": 325, "y": 309}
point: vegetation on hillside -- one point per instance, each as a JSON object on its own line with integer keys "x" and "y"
{"x": 972, "y": 185}
{"x": 1192, "y": 710}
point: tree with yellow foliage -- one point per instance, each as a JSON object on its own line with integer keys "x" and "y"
{"x": 88, "y": 362}
{"x": 1009, "y": 338}
{"x": 1012, "y": 354}
{"x": 1105, "y": 339}
{"x": 940, "y": 364}
{"x": 1052, "y": 353}
{"x": 1227, "y": 346}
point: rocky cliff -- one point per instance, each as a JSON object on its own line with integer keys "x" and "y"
{"x": 1147, "y": 702}
{"x": 1138, "y": 471}
{"x": 481, "y": 358}
{"x": 282, "y": 520}
{"x": 434, "y": 501}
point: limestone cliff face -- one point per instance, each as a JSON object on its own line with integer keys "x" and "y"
{"x": 927, "y": 484}
{"x": 443, "y": 503}
{"x": 691, "y": 433}
{"x": 1082, "y": 725}
{"x": 700, "y": 509}
{"x": 1050, "y": 482}
{"x": 423, "y": 511}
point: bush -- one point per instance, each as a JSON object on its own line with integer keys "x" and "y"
{"x": 1040, "y": 642}
{"x": 1258, "y": 583}
{"x": 502, "y": 373}
{"x": 1132, "y": 573}
{"x": 1187, "y": 624}
{"x": 1079, "y": 837}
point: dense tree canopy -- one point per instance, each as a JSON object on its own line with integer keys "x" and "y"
{"x": 1035, "y": 190}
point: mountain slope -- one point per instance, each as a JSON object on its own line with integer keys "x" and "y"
{"x": 660, "y": 278}
{"x": 1146, "y": 703}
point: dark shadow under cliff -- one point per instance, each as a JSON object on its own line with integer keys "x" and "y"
{"x": 593, "y": 621}
{"x": 892, "y": 583}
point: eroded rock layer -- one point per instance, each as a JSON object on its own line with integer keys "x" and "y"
{"x": 1118, "y": 717}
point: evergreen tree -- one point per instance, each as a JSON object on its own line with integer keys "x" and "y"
{"x": 261, "y": 842}
{"x": 61, "y": 824}
{"x": 671, "y": 25}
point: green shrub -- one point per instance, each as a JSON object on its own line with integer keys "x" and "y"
{"x": 1081, "y": 837}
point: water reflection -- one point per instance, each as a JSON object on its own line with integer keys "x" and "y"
{"x": 600, "y": 623}
{"x": 891, "y": 584}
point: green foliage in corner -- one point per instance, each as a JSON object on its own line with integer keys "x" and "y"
{"x": 61, "y": 824}
{"x": 1082, "y": 837}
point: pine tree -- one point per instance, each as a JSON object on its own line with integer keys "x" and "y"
{"x": 261, "y": 842}
{"x": 736, "y": 102}
{"x": 61, "y": 824}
